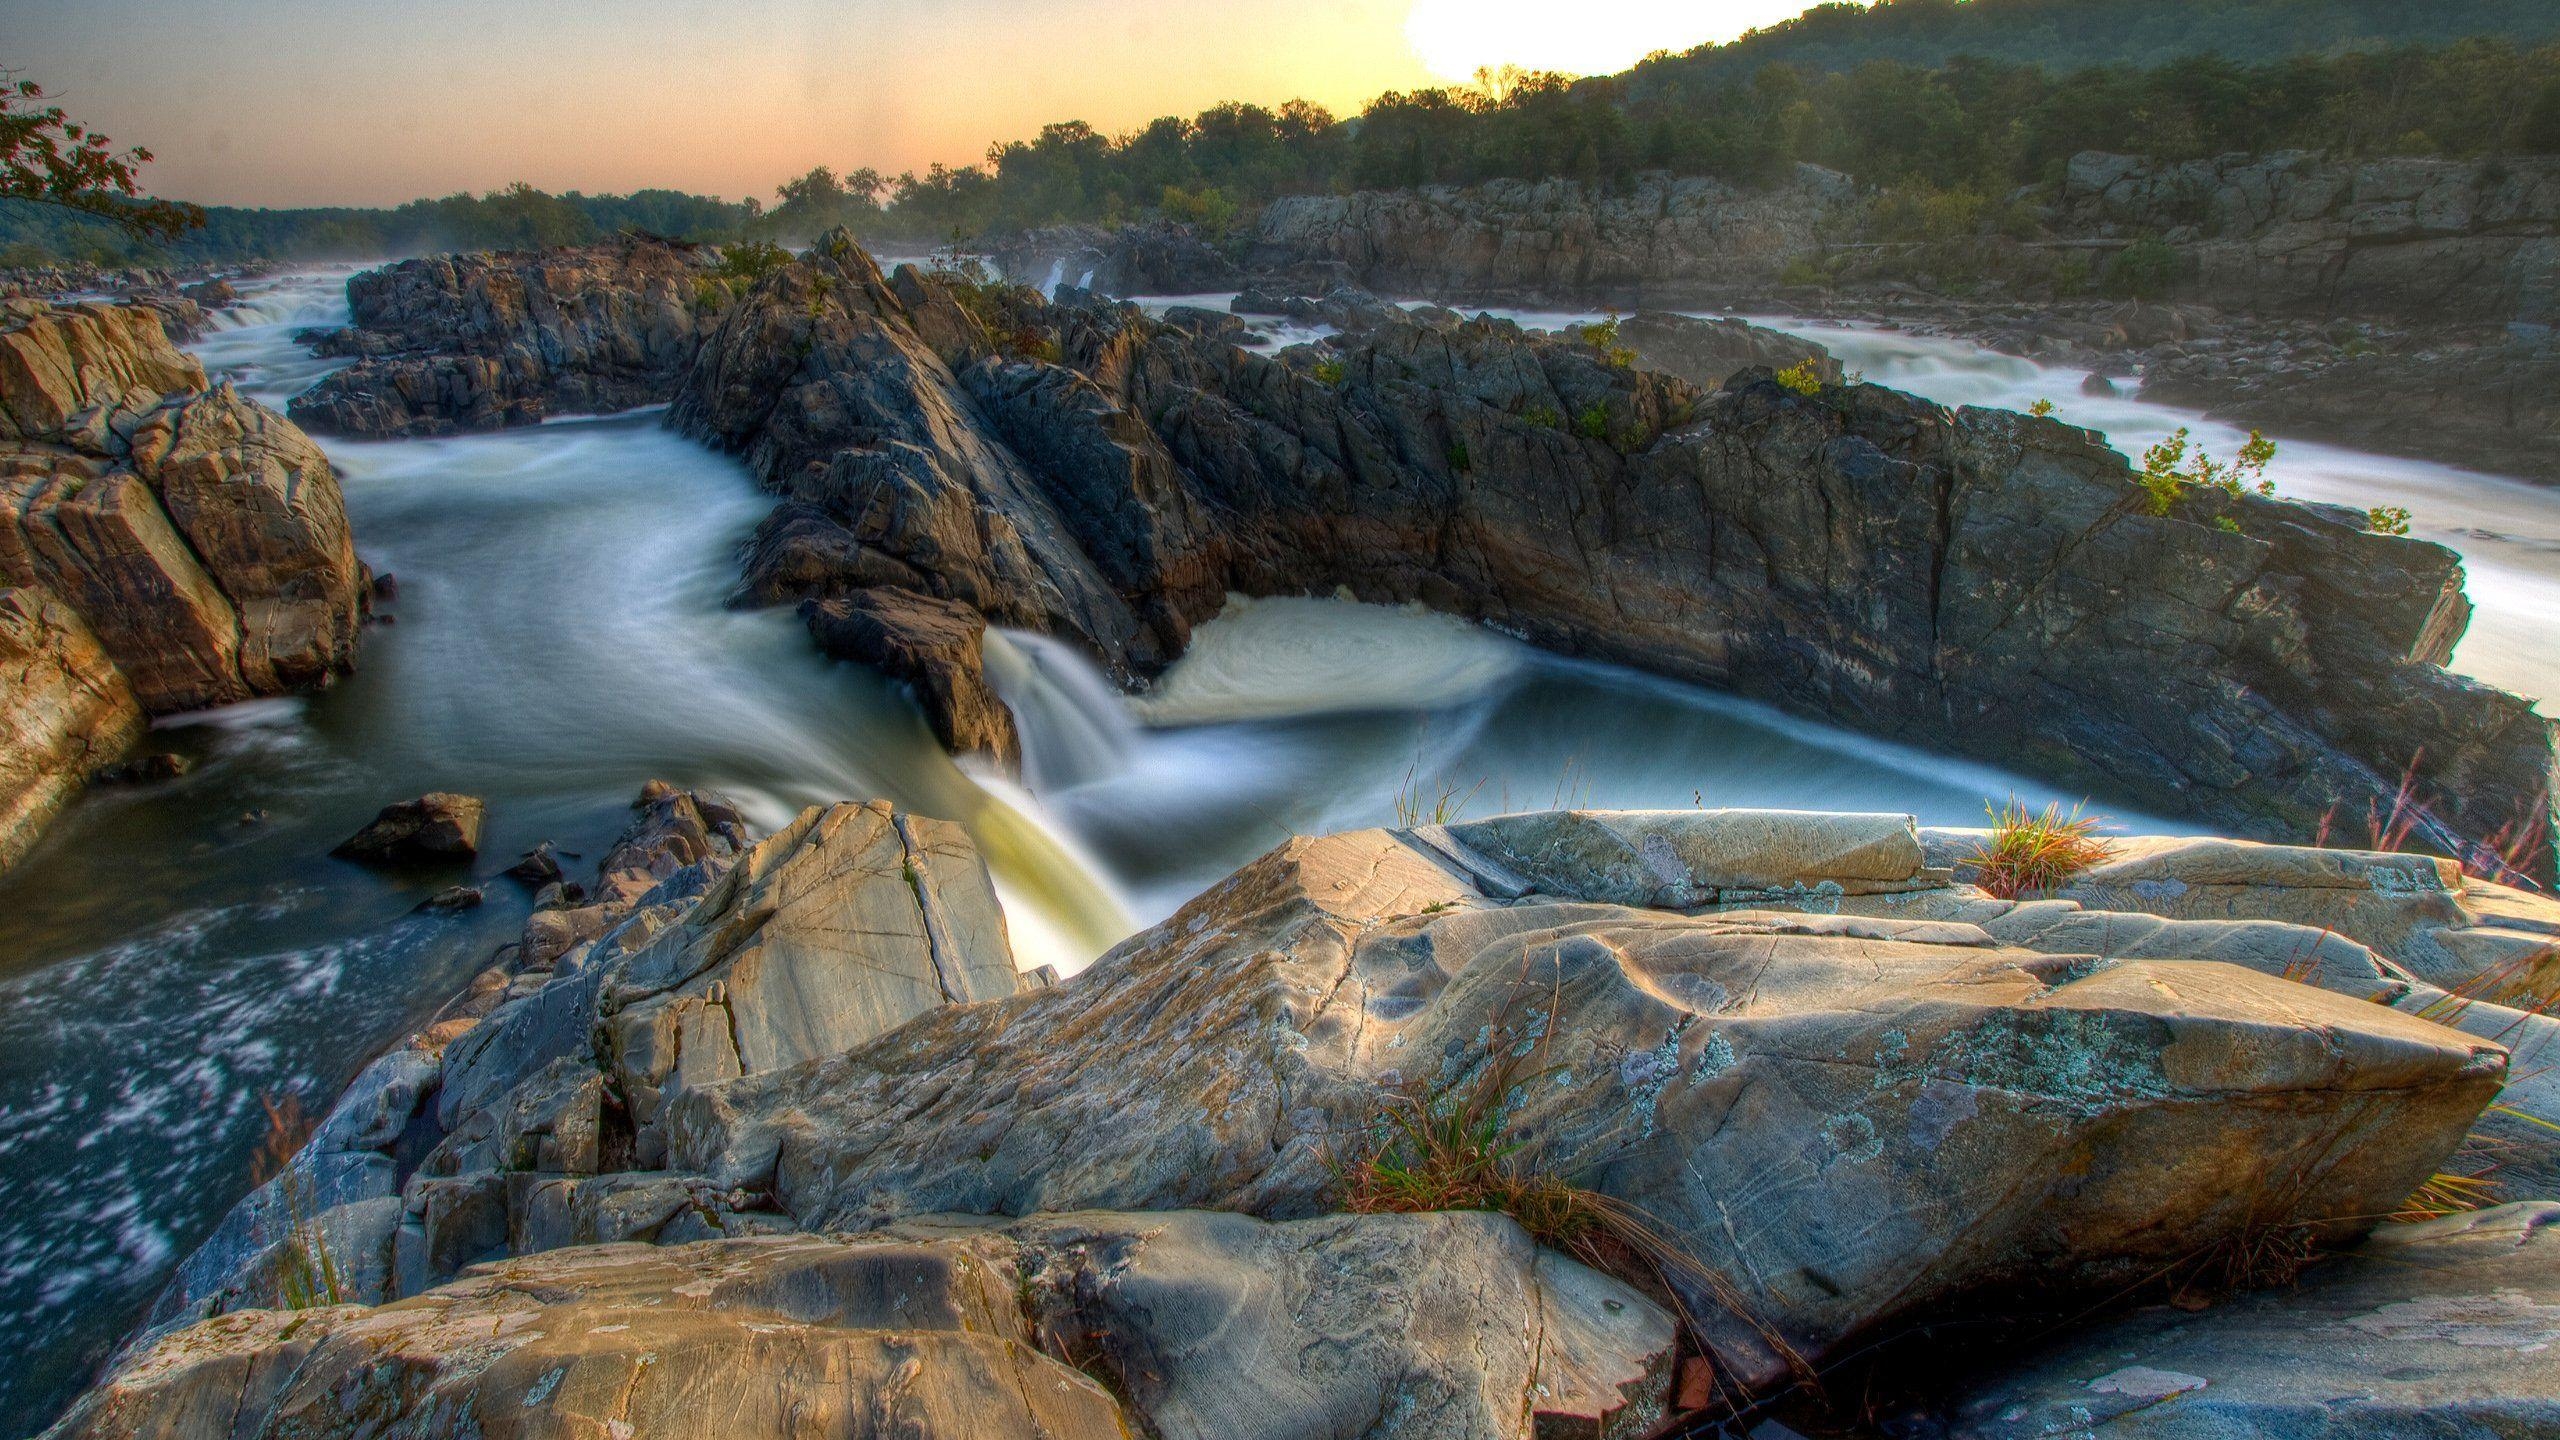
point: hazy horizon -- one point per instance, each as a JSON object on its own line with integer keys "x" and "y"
{"x": 298, "y": 102}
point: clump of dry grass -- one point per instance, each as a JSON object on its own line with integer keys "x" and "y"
{"x": 307, "y": 1275}
{"x": 1455, "y": 1147}
{"x": 2030, "y": 851}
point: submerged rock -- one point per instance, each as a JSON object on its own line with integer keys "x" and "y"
{"x": 433, "y": 829}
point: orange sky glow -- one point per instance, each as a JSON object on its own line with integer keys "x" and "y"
{"x": 313, "y": 102}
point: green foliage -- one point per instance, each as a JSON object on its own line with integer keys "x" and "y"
{"x": 2226, "y": 524}
{"x": 48, "y": 158}
{"x": 2041, "y": 409}
{"x": 1327, "y": 372}
{"x": 749, "y": 261}
{"x": 2031, "y": 852}
{"x": 2143, "y": 270}
{"x": 2388, "y": 519}
{"x": 1804, "y": 377}
{"x": 1545, "y": 415}
{"x": 1459, "y": 460}
{"x": 1602, "y": 335}
{"x": 1592, "y": 423}
{"x": 2169, "y": 467}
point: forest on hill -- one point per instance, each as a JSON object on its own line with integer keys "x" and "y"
{"x": 1945, "y": 106}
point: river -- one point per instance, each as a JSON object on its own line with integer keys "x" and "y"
{"x": 171, "y": 953}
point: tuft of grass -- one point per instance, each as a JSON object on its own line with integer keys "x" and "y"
{"x": 1592, "y": 423}
{"x": 1804, "y": 378}
{"x": 2388, "y": 519}
{"x": 307, "y": 1275}
{"x": 1544, "y": 415}
{"x": 1454, "y": 1147}
{"x": 2041, "y": 409}
{"x": 1327, "y": 372}
{"x": 2030, "y": 852}
{"x": 2509, "y": 855}
{"x": 1435, "y": 802}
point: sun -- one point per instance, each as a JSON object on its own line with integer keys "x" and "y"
{"x": 1456, "y": 38}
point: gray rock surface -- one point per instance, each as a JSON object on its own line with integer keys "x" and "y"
{"x": 2439, "y": 1328}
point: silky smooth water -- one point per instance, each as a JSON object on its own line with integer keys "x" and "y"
{"x": 172, "y": 953}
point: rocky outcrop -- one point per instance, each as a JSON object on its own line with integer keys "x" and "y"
{"x": 198, "y": 537}
{"x": 937, "y": 647}
{"x": 2435, "y": 241}
{"x": 1978, "y": 581}
{"x": 2490, "y": 403}
{"x": 1148, "y": 258}
{"x": 1663, "y": 240}
{"x": 1851, "y": 1091}
{"x": 2442, "y": 1327}
{"x": 454, "y": 343}
{"x": 1907, "y": 1096}
{"x": 68, "y": 713}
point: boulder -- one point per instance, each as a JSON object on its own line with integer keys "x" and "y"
{"x": 1206, "y": 1326}
{"x": 1845, "y": 1121}
{"x": 2437, "y": 1328}
{"x": 434, "y": 829}
{"x": 198, "y": 537}
{"x": 736, "y": 1337}
{"x": 937, "y": 648}
{"x": 65, "y": 715}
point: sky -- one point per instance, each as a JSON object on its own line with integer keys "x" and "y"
{"x": 370, "y": 102}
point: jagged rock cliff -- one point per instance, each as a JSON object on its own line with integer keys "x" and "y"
{"x": 1977, "y": 581}
{"x": 1853, "y": 1091}
{"x": 451, "y": 343}
{"x": 190, "y": 539}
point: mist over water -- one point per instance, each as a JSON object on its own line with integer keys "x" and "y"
{"x": 171, "y": 952}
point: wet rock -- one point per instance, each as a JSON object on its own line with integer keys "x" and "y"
{"x": 455, "y": 897}
{"x": 2098, "y": 385}
{"x": 2442, "y": 1327}
{"x": 435, "y": 828}
{"x": 537, "y": 867}
{"x": 145, "y": 769}
{"x": 937, "y": 648}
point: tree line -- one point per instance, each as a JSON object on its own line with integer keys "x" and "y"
{"x": 1942, "y": 141}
